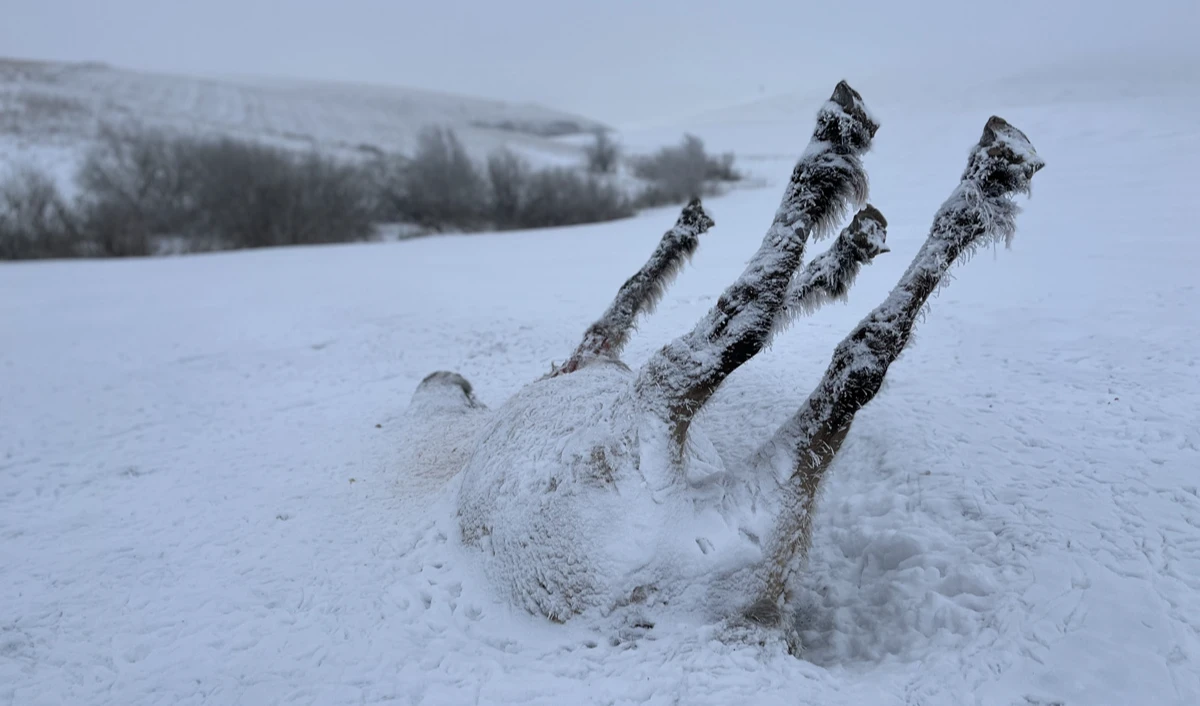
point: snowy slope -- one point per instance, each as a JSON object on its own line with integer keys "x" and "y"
{"x": 202, "y": 500}
{"x": 47, "y": 109}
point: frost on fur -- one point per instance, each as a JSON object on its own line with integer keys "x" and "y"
{"x": 828, "y": 179}
{"x": 589, "y": 493}
{"x": 641, "y": 292}
{"x": 978, "y": 211}
{"x": 829, "y": 276}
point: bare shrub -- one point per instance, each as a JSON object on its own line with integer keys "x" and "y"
{"x": 384, "y": 178}
{"x": 682, "y": 172}
{"x": 136, "y": 184}
{"x": 145, "y": 192}
{"x": 34, "y": 219}
{"x": 508, "y": 179}
{"x": 562, "y": 197}
{"x": 522, "y": 197}
{"x": 603, "y": 154}
{"x": 441, "y": 186}
{"x": 140, "y": 187}
{"x": 250, "y": 195}
{"x": 720, "y": 168}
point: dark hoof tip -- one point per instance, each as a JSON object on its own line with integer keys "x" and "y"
{"x": 845, "y": 96}
{"x": 852, "y": 104}
{"x": 869, "y": 212}
{"x": 1003, "y": 140}
{"x": 695, "y": 216}
{"x": 868, "y": 233}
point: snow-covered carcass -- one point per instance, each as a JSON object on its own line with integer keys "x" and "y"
{"x": 590, "y": 490}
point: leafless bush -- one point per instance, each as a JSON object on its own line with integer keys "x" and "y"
{"x": 603, "y": 154}
{"x": 143, "y": 192}
{"x": 383, "y": 176}
{"x": 34, "y": 219}
{"x": 440, "y": 186}
{"x": 256, "y": 196}
{"x": 508, "y": 178}
{"x": 140, "y": 187}
{"x": 682, "y": 172}
{"x": 137, "y": 184}
{"x": 561, "y": 197}
{"x": 720, "y": 168}
{"x": 522, "y": 197}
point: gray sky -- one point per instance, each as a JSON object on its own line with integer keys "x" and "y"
{"x": 616, "y": 60}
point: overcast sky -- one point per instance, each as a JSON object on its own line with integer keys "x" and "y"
{"x": 616, "y": 60}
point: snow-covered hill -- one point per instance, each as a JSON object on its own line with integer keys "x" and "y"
{"x": 201, "y": 499}
{"x": 48, "y": 109}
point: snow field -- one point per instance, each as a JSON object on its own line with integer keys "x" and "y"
{"x": 196, "y": 504}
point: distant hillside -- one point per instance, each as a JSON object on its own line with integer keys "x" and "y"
{"x": 1075, "y": 81}
{"x": 48, "y": 109}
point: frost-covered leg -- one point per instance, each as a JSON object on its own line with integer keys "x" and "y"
{"x": 641, "y": 292}
{"x": 829, "y": 177}
{"x": 830, "y": 275}
{"x": 979, "y": 211}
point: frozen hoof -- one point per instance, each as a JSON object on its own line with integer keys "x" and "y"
{"x": 846, "y": 122}
{"x": 695, "y": 217}
{"x": 1005, "y": 160}
{"x": 867, "y": 234}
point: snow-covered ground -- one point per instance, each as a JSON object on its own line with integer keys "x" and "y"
{"x": 49, "y": 110}
{"x": 202, "y": 500}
